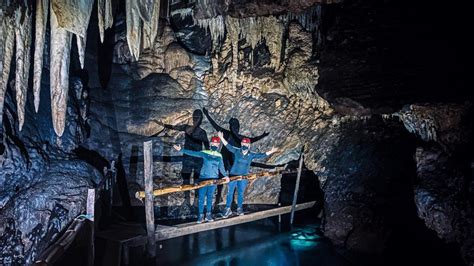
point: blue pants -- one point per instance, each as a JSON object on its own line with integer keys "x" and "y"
{"x": 207, "y": 191}
{"x": 241, "y": 185}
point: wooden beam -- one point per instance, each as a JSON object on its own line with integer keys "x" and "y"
{"x": 167, "y": 232}
{"x": 163, "y": 191}
{"x": 297, "y": 187}
{"x": 149, "y": 204}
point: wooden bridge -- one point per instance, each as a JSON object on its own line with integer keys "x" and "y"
{"x": 120, "y": 237}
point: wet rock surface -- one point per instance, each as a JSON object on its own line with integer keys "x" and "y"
{"x": 43, "y": 187}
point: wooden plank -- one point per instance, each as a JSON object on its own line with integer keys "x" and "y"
{"x": 297, "y": 187}
{"x": 149, "y": 209}
{"x": 163, "y": 233}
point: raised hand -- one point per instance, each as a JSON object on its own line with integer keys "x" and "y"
{"x": 226, "y": 179}
{"x": 220, "y": 135}
{"x": 177, "y": 147}
{"x": 273, "y": 150}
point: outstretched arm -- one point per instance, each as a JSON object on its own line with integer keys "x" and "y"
{"x": 213, "y": 123}
{"x": 198, "y": 154}
{"x": 252, "y": 139}
{"x": 173, "y": 127}
{"x": 257, "y": 138}
{"x": 266, "y": 154}
{"x": 226, "y": 143}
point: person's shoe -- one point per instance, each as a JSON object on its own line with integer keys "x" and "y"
{"x": 209, "y": 217}
{"x": 240, "y": 211}
{"x": 200, "y": 218}
{"x": 227, "y": 213}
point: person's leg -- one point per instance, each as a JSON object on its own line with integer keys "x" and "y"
{"x": 210, "y": 196}
{"x": 230, "y": 194}
{"x": 241, "y": 185}
{"x": 201, "y": 196}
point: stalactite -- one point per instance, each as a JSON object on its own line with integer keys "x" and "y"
{"x": 59, "y": 76}
{"x": 134, "y": 28}
{"x": 23, "y": 34}
{"x": 232, "y": 25}
{"x": 307, "y": 18}
{"x": 7, "y": 44}
{"x": 73, "y": 15}
{"x": 105, "y": 17}
{"x": 42, "y": 7}
{"x": 145, "y": 8}
{"x": 182, "y": 12}
{"x": 252, "y": 29}
{"x": 270, "y": 29}
{"x": 216, "y": 27}
{"x": 150, "y": 28}
{"x": 81, "y": 48}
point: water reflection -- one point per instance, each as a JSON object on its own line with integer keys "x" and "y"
{"x": 251, "y": 244}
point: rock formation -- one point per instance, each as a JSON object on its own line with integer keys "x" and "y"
{"x": 323, "y": 77}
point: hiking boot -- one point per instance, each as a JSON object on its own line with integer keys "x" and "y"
{"x": 240, "y": 211}
{"x": 200, "y": 218}
{"x": 209, "y": 217}
{"x": 227, "y": 212}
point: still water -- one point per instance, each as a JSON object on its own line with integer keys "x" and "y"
{"x": 258, "y": 243}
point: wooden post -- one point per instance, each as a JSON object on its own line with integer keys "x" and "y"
{"x": 90, "y": 204}
{"x": 297, "y": 186}
{"x": 149, "y": 204}
{"x": 90, "y": 212}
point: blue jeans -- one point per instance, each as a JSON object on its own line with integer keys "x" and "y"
{"x": 241, "y": 185}
{"x": 207, "y": 191}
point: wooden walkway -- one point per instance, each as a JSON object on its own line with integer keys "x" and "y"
{"x": 166, "y": 232}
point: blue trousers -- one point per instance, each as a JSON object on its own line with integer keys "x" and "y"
{"x": 241, "y": 185}
{"x": 205, "y": 192}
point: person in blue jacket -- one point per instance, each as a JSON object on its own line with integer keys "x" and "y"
{"x": 241, "y": 166}
{"x": 211, "y": 167}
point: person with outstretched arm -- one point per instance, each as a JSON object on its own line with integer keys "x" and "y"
{"x": 241, "y": 166}
{"x": 232, "y": 135}
{"x": 212, "y": 166}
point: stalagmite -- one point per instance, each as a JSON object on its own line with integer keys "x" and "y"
{"x": 59, "y": 76}
{"x": 150, "y": 28}
{"x": 105, "y": 17}
{"x": 42, "y": 7}
{"x": 134, "y": 28}
{"x": 23, "y": 33}
{"x": 7, "y": 44}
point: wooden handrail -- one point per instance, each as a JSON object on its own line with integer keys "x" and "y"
{"x": 163, "y": 191}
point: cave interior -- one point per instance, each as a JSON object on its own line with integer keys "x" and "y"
{"x": 372, "y": 97}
